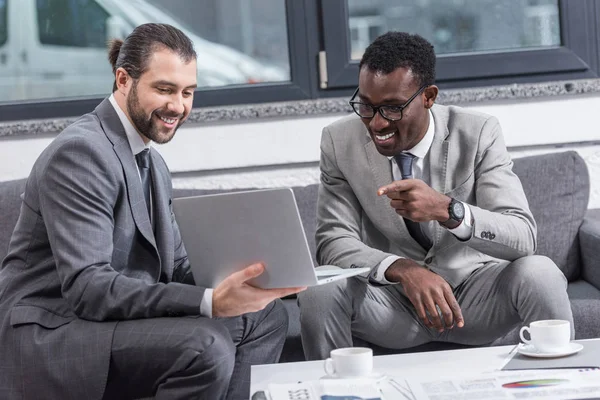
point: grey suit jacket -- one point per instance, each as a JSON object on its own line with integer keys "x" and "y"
{"x": 468, "y": 161}
{"x": 83, "y": 256}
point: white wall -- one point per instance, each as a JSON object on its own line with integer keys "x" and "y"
{"x": 285, "y": 151}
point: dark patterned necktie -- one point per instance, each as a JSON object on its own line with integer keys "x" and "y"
{"x": 405, "y": 161}
{"x": 143, "y": 161}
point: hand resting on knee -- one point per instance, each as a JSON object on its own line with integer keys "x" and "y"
{"x": 427, "y": 291}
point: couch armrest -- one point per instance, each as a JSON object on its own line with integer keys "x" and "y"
{"x": 589, "y": 243}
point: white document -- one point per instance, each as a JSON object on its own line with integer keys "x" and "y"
{"x": 326, "y": 389}
{"x": 292, "y": 391}
{"x": 561, "y": 384}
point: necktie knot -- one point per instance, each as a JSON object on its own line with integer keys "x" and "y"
{"x": 405, "y": 162}
{"x": 143, "y": 158}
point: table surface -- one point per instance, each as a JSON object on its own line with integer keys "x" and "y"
{"x": 409, "y": 365}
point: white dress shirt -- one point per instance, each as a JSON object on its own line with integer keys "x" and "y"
{"x": 420, "y": 171}
{"x": 137, "y": 145}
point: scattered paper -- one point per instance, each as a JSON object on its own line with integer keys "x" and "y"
{"x": 326, "y": 389}
{"x": 561, "y": 384}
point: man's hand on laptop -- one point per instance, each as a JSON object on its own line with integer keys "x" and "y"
{"x": 428, "y": 292}
{"x": 234, "y": 296}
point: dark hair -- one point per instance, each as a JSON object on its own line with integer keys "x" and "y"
{"x": 394, "y": 50}
{"x": 133, "y": 53}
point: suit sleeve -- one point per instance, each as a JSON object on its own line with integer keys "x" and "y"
{"x": 339, "y": 216}
{"x": 503, "y": 224}
{"x": 78, "y": 190}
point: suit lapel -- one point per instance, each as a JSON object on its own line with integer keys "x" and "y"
{"x": 438, "y": 161}
{"x": 162, "y": 214}
{"x": 116, "y": 134}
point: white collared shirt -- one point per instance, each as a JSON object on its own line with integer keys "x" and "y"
{"x": 133, "y": 137}
{"x": 420, "y": 171}
{"x": 137, "y": 146}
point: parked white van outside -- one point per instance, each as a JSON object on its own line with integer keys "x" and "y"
{"x": 57, "y": 48}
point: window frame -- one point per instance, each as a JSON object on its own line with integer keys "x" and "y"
{"x": 577, "y": 58}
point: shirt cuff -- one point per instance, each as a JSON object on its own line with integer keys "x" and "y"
{"x": 377, "y": 275}
{"x": 465, "y": 230}
{"x": 206, "y": 303}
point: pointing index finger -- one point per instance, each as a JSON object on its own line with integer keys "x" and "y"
{"x": 396, "y": 186}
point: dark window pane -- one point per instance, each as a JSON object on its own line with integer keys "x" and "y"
{"x": 3, "y": 25}
{"x": 74, "y": 23}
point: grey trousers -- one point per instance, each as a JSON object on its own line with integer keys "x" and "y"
{"x": 494, "y": 301}
{"x": 193, "y": 357}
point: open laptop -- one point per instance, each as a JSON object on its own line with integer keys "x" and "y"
{"x": 223, "y": 233}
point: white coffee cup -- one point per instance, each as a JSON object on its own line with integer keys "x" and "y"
{"x": 548, "y": 336}
{"x": 350, "y": 362}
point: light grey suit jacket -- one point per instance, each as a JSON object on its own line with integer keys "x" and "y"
{"x": 468, "y": 160}
{"x": 83, "y": 256}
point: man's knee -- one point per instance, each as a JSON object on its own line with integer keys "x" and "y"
{"x": 212, "y": 350}
{"x": 321, "y": 304}
{"x": 538, "y": 273}
{"x": 276, "y": 318}
{"x": 326, "y": 295}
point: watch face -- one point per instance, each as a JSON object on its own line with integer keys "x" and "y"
{"x": 458, "y": 210}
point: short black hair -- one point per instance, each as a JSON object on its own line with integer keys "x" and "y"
{"x": 394, "y": 50}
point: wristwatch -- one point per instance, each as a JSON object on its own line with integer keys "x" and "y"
{"x": 456, "y": 212}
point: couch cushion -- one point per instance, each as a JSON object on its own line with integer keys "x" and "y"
{"x": 589, "y": 239}
{"x": 557, "y": 187}
{"x": 10, "y": 206}
{"x": 585, "y": 303}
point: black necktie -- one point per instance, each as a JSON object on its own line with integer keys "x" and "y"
{"x": 405, "y": 161}
{"x": 143, "y": 161}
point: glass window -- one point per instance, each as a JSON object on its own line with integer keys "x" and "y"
{"x": 246, "y": 40}
{"x": 74, "y": 23}
{"x": 3, "y": 25}
{"x": 64, "y": 55}
{"x": 458, "y": 26}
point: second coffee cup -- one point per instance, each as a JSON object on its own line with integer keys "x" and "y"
{"x": 349, "y": 362}
{"x": 548, "y": 336}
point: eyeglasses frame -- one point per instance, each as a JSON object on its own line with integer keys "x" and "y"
{"x": 377, "y": 109}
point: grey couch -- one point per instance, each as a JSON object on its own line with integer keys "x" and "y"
{"x": 557, "y": 186}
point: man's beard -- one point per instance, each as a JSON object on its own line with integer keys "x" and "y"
{"x": 147, "y": 126}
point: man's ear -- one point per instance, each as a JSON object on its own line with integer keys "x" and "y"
{"x": 431, "y": 93}
{"x": 123, "y": 80}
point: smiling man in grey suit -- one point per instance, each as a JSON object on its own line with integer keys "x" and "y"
{"x": 96, "y": 295}
{"x": 425, "y": 196}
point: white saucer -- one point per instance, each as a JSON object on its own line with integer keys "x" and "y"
{"x": 530, "y": 351}
{"x": 373, "y": 376}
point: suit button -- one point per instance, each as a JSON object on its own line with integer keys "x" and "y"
{"x": 483, "y": 235}
{"x": 492, "y": 236}
{"x": 428, "y": 260}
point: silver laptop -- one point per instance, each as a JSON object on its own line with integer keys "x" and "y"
{"x": 223, "y": 233}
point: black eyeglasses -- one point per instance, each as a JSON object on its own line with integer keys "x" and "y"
{"x": 388, "y": 111}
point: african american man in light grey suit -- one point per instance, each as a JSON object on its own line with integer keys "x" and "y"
{"x": 96, "y": 295}
{"x": 425, "y": 196}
